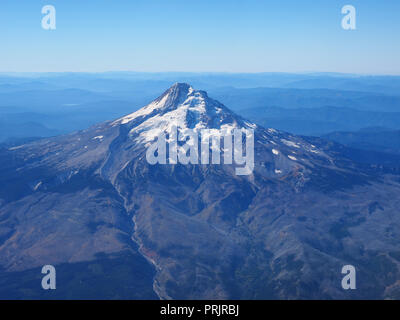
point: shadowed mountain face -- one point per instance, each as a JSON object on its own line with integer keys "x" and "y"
{"x": 91, "y": 205}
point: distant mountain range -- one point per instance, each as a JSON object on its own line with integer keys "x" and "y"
{"x": 377, "y": 139}
{"x": 307, "y": 104}
{"x": 249, "y": 98}
{"x": 116, "y": 226}
{"x": 322, "y": 120}
{"x": 10, "y": 131}
{"x": 115, "y": 81}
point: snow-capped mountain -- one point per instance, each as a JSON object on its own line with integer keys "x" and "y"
{"x": 183, "y": 107}
{"x": 90, "y": 204}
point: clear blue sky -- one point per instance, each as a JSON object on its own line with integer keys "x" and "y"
{"x": 202, "y": 35}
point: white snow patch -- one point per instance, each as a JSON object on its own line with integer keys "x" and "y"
{"x": 275, "y": 152}
{"x": 251, "y": 125}
{"x": 292, "y": 158}
{"x": 37, "y": 185}
{"x": 98, "y": 138}
{"x": 15, "y": 148}
{"x": 195, "y": 104}
{"x": 290, "y": 143}
{"x": 144, "y": 111}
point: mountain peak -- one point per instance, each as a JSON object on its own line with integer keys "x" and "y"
{"x": 183, "y": 107}
{"x": 180, "y": 87}
{"x": 183, "y": 89}
{"x": 169, "y": 100}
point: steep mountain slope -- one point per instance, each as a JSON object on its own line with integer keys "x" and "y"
{"x": 195, "y": 231}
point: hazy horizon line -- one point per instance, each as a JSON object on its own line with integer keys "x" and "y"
{"x": 203, "y": 72}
